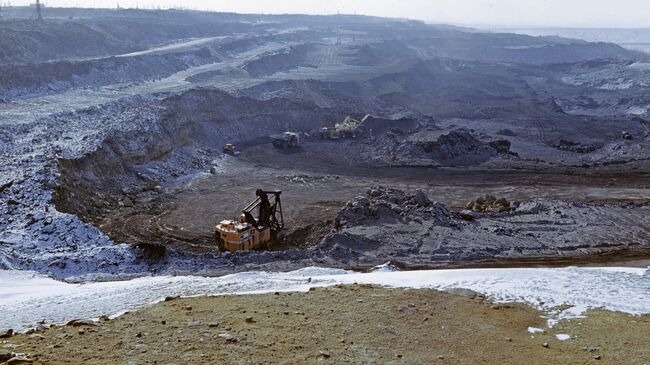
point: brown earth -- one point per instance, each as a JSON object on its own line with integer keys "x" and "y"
{"x": 313, "y": 194}
{"x": 343, "y": 324}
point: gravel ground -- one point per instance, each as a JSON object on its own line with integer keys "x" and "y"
{"x": 356, "y": 324}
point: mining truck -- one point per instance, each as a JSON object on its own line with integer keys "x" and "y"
{"x": 249, "y": 232}
{"x": 285, "y": 140}
{"x": 346, "y": 129}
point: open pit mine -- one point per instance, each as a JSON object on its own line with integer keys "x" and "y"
{"x": 159, "y": 144}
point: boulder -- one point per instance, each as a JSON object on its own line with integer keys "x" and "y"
{"x": 81, "y": 322}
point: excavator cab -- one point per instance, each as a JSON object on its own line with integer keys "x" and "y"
{"x": 251, "y": 232}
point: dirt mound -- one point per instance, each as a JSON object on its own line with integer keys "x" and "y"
{"x": 432, "y": 147}
{"x": 576, "y": 147}
{"x": 386, "y": 205}
{"x": 491, "y": 204}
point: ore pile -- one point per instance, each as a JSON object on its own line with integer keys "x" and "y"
{"x": 385, "y": 205}
{"x": 491, "y": 204}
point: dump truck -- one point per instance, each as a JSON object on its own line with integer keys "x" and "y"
{"x": 329, "y": 133}
{"x": 346, "y": 129}
{"x": 230, "y": 149}
{"x": 249, "y": 232}
{"x": 285, "y": 140}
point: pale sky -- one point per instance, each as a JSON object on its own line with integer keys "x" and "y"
{"x": 562, "y": 13}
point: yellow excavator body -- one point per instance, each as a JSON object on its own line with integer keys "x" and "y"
{"x": 250, "y": 232}
{"x": 238, "y": 236}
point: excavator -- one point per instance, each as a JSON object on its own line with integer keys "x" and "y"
{"x": 346, "y": 129}
{"x": 250, "y": 233}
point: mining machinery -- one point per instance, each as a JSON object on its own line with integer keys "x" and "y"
{"x": 285, "y": 140}
{"x": 348, "y": 128}
{"x": 249, "y": 232}
{"x": 230, "y": 149}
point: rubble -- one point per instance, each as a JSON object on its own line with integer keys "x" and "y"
{"x": 387, "y": 224}
{"x": 491, "y": 204}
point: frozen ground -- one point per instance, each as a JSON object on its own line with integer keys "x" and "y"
{"x": 27, "y": 297}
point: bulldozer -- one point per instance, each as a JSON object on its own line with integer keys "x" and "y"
{"x": 346, "y": 129}
{"x": 250, "y": 233}
{"x": 285, "y": 140}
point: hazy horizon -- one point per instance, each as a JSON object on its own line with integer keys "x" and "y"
{"x": 496, "y": 13}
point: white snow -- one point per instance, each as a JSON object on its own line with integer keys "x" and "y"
{"x": 535, "y": 330}
{"x": 26, "y": 297}
{"x": 563, "y": 336}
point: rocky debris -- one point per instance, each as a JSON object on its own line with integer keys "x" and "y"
{"x": 5, "y": 355}
{"x": 229, "y": 337}
{"x": 6, "y": 186}
{"x": 19, "y": 359}
{"x": 407, "y": 308}
{"x": 457, "y": 147}
{"x": 427, "y": 146}
{"x": 8, "y": 333}
{"x": 500, "y": 145}
{"x": 491, "y": 204}
{"x": 576, "y": 147}
{"x": 386, "y": 204}
{"x": 388, "y": 224}
{"x": 466, "y": 293}
{"x": 192, "y": 324}
{"x": 626, "y": 135}
{"x": 81, "y": 322}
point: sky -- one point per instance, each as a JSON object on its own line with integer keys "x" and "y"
{"x": 486, "y": 13}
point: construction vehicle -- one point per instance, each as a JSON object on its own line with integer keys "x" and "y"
{"x": 230, "y": 149}
{"x": 250, "y": 233}
{"x": 285, "y": 140}
{"x": 346, "y": 129}
{"x": 329, "y": 133}
{"x": 626, "y": 135}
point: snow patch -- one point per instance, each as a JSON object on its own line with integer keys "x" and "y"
{"x": 26, "y": 297}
